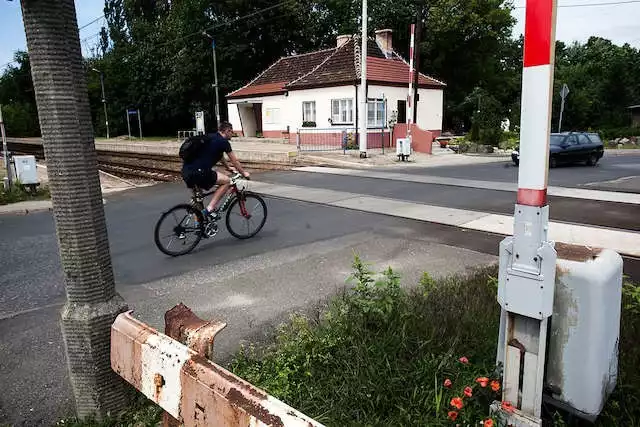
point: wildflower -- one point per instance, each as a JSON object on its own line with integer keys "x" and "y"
{"x": 495, "y": 385}
{"x": 464, "y": 360}
{"x": 507, "y": 407}
{"x": 468, "y": 391}
{"x": 456, "y": 402}
{"x": 447, "y": 383}
{"x": 488, "y": 422}
{"x": 483, "y": 381}
{"x": 452, "y": 415}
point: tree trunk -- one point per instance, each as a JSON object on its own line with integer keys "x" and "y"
{"x": 63, "y": 108}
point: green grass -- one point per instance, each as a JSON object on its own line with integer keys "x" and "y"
{"x": 18, "y": 193}
{"x": 378, "y": 354}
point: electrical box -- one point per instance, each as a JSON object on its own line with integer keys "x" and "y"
{"x": 403, "y": 148}
{"x": 200, "y": 122}
{"x": 582, "y": 359}
{"x": 26, "y": 171}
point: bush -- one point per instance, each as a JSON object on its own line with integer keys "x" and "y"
{"x": 627, "y": 132}
{"x": 381, "y": 354}
{"x": 20, "y": 193}
{"x": 308, "y": 124}
{"x": 378, "y": 354}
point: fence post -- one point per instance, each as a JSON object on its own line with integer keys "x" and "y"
{"x": 344, "y": 142}
{"x": 298, "y": 139}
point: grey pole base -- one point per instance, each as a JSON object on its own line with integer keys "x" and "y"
{"x": 86, "y": 330}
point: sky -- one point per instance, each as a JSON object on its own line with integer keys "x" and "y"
{"x": 577, "y": 20}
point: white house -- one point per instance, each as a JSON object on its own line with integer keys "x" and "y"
{"x": 320, "y": 90}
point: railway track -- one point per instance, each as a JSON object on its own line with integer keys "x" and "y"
{"x": 157, "y": 167}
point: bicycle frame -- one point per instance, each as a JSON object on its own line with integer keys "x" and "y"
{"x": 198, "y": 198}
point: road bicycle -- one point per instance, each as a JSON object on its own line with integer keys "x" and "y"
{"x": 180, "y": 229}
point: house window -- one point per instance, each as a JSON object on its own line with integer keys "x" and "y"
{"x": 309, "y": 112}
{"x": 342, "y": 111}
{"x": 272, "y": 116}
{"x": 376, "y": 113}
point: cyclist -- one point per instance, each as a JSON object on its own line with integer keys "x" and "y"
{"x": 199, "y": 171}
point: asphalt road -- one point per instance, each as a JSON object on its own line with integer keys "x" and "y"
{"x": 610, "y": 168}
{"x": 301, "y": 257}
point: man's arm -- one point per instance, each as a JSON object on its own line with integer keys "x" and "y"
{"x": 236, "y": 163}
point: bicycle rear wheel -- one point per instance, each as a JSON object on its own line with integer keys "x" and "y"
{"x": 179, "y": 230}
{"x": 246, "y": 215}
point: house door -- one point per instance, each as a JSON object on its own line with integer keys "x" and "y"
{"x": 402, "y": 111}
{"x": 257, "y": 111}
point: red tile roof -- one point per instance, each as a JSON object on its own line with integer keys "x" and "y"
{"x": 331, "y": 67}
{"x": 260, "y": 89}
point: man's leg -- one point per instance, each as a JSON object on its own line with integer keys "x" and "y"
{"x": 224, "y": 183}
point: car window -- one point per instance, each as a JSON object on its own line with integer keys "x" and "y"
{"x": 572, "y": 140}
{"x": 557, "y": 139}
{"x": 582, "y": 139}
{"x": 595, "y": 138}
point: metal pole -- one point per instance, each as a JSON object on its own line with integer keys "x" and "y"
{"x": 526, "y": 279}
{"x": 215, "y": 76}
{"x": 5, "y": 151}
{"x": 128, "y": 123}
{"x": 561, "y": 112}
{"x": 410, "y": 100}
{"x": 363, "y": 83}
{"x": 104, "y": 103}
{"x": 139, "y": 124}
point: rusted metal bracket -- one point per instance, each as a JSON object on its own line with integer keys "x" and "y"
{"x": 188, "y": 386}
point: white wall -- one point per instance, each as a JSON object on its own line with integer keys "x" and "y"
{"x": 234, "y": 116}
{"x": 288, "y": 109}
{"x": 429, "y": 107}
{"x": 322, "y": 97}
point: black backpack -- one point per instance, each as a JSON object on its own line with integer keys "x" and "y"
{"x": 191, "y": 148}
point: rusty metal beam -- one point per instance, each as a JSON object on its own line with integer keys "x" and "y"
{"x": 191, "y": 388}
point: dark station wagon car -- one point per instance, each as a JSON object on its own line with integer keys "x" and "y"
{"x": 570, "y": 147}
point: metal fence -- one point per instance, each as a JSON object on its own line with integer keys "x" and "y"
{"x": 341, "y": 139}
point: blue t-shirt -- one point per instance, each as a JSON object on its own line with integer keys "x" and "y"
{"x": 211, "y": 153}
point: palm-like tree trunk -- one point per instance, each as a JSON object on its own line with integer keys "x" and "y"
{"x": 63, "y": 108}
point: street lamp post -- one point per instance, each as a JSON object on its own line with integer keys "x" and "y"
{"x": 215, "y": 76}
{"x": 104, "y": 100}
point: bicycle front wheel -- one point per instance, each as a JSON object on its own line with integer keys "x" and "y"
{"x": 246, "y": 215}
{"x": 179, "y": 230}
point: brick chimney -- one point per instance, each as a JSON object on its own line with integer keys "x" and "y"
{"x": 340, "y": 40}
{"x": 384, "y": 38}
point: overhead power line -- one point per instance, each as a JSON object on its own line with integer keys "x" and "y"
{"x": 92, "y": 22}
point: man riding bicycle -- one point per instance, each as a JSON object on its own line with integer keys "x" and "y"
{"x": 198, "y": 171}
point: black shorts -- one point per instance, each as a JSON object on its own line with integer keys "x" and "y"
{"x": 202, "y": 178}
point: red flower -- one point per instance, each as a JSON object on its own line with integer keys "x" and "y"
{"x": 507, "y": 407}
{"x": 468, "y": 391}
{"x": 483, "y": 381}
{"x": 447, "y": 383}
{"x": 464, "y": 360}
{"x": 495, "y": 385}
{"x": 456, "y": 402}
{"x": 452, "y": 415}
{"x": 488, "y": 422}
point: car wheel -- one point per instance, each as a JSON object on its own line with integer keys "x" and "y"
{"x": 553, "y": 162}
{"x": 592, "y": 160}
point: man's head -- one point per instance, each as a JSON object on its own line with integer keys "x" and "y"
{"x": 225, "y": 129}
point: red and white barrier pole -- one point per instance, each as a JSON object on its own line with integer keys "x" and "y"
{"x": 537, "y": 90}
{"x": 410, "y": 99}
{"x": 528, "y": 260}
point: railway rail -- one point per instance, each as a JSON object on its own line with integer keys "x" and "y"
{"x": 134, "y": 165}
